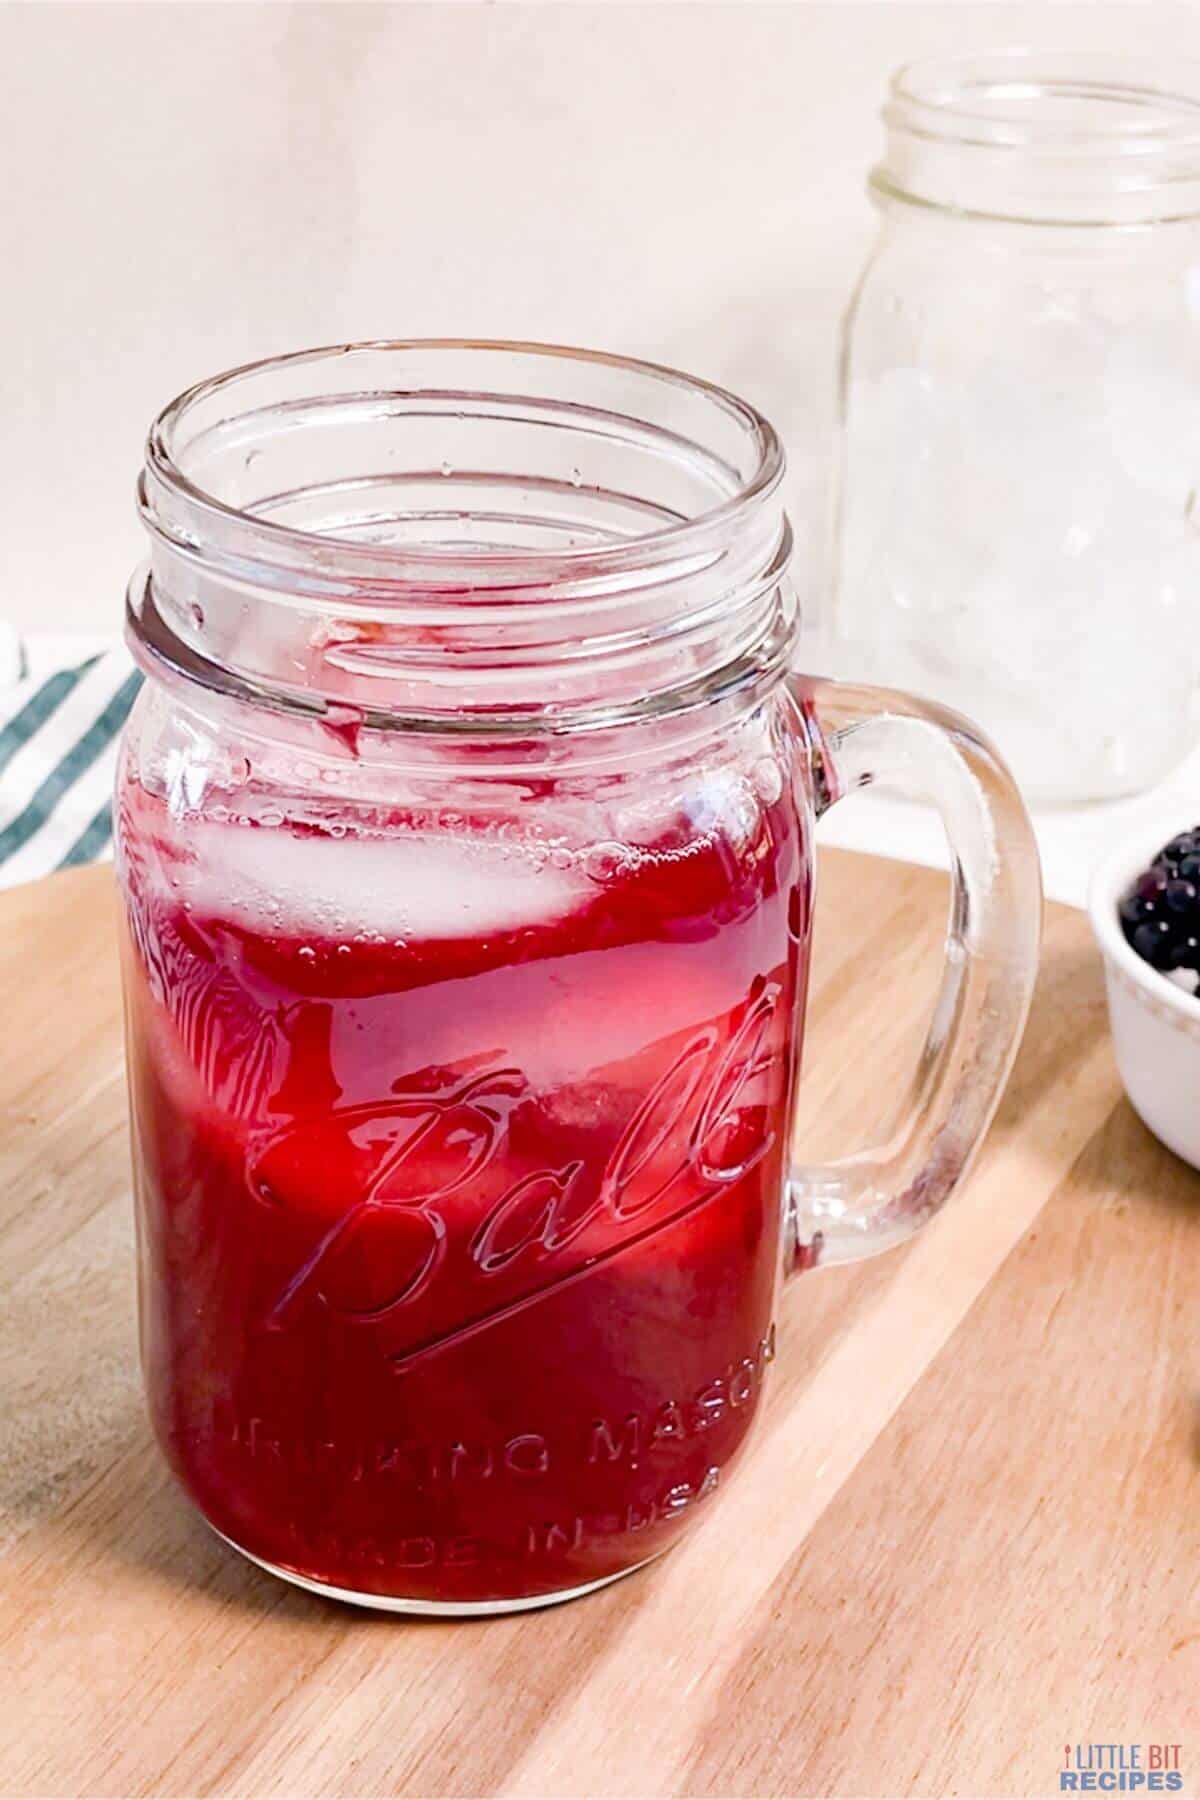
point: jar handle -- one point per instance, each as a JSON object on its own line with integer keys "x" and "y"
{"x": 860, "y": 737}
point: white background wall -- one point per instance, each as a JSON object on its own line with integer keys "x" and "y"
{"x": 188, "y": 186}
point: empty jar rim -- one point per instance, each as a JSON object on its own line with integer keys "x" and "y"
{"x": 1063, "y": 137}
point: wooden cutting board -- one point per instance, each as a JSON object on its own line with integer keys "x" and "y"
{"x": 968, "y": 1535}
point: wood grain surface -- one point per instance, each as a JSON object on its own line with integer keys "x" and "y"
{"x": 967, "y": 1536}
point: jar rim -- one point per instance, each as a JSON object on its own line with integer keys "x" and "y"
{"x": 1101, "y": 100}
{"x": 766, "y": 462}
{"x": 1060, "y": 139}
{"x": 411, "y": 535}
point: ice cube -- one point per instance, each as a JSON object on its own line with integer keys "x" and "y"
{"x": 404, "y": 885}
{"x": 1151, "y": 387}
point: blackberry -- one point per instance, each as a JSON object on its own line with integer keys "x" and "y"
{"x": 1160, "y": 912}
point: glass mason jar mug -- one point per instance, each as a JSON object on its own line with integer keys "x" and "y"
{"x": 465, "y": 832}
{"x": 1020, "y": 472}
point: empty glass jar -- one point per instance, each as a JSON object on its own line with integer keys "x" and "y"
{"x": 1016, "y": 527}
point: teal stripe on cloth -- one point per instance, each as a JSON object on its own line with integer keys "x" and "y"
{"x": 99, "y": 734}
{"x": 38, "y": 708}
{"x": 91, "y": 840}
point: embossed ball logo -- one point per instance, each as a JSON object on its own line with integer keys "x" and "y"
{"x": 418, "y": 1168}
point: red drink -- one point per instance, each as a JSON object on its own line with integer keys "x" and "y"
{"x": 462, "y": 830}
{"x": 459, "y": 1171}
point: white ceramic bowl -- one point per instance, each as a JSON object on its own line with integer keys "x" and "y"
{"x": 1155, "y": 1024}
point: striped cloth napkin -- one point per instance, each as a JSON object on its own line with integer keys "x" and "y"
{"x": 63, "y": 702}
